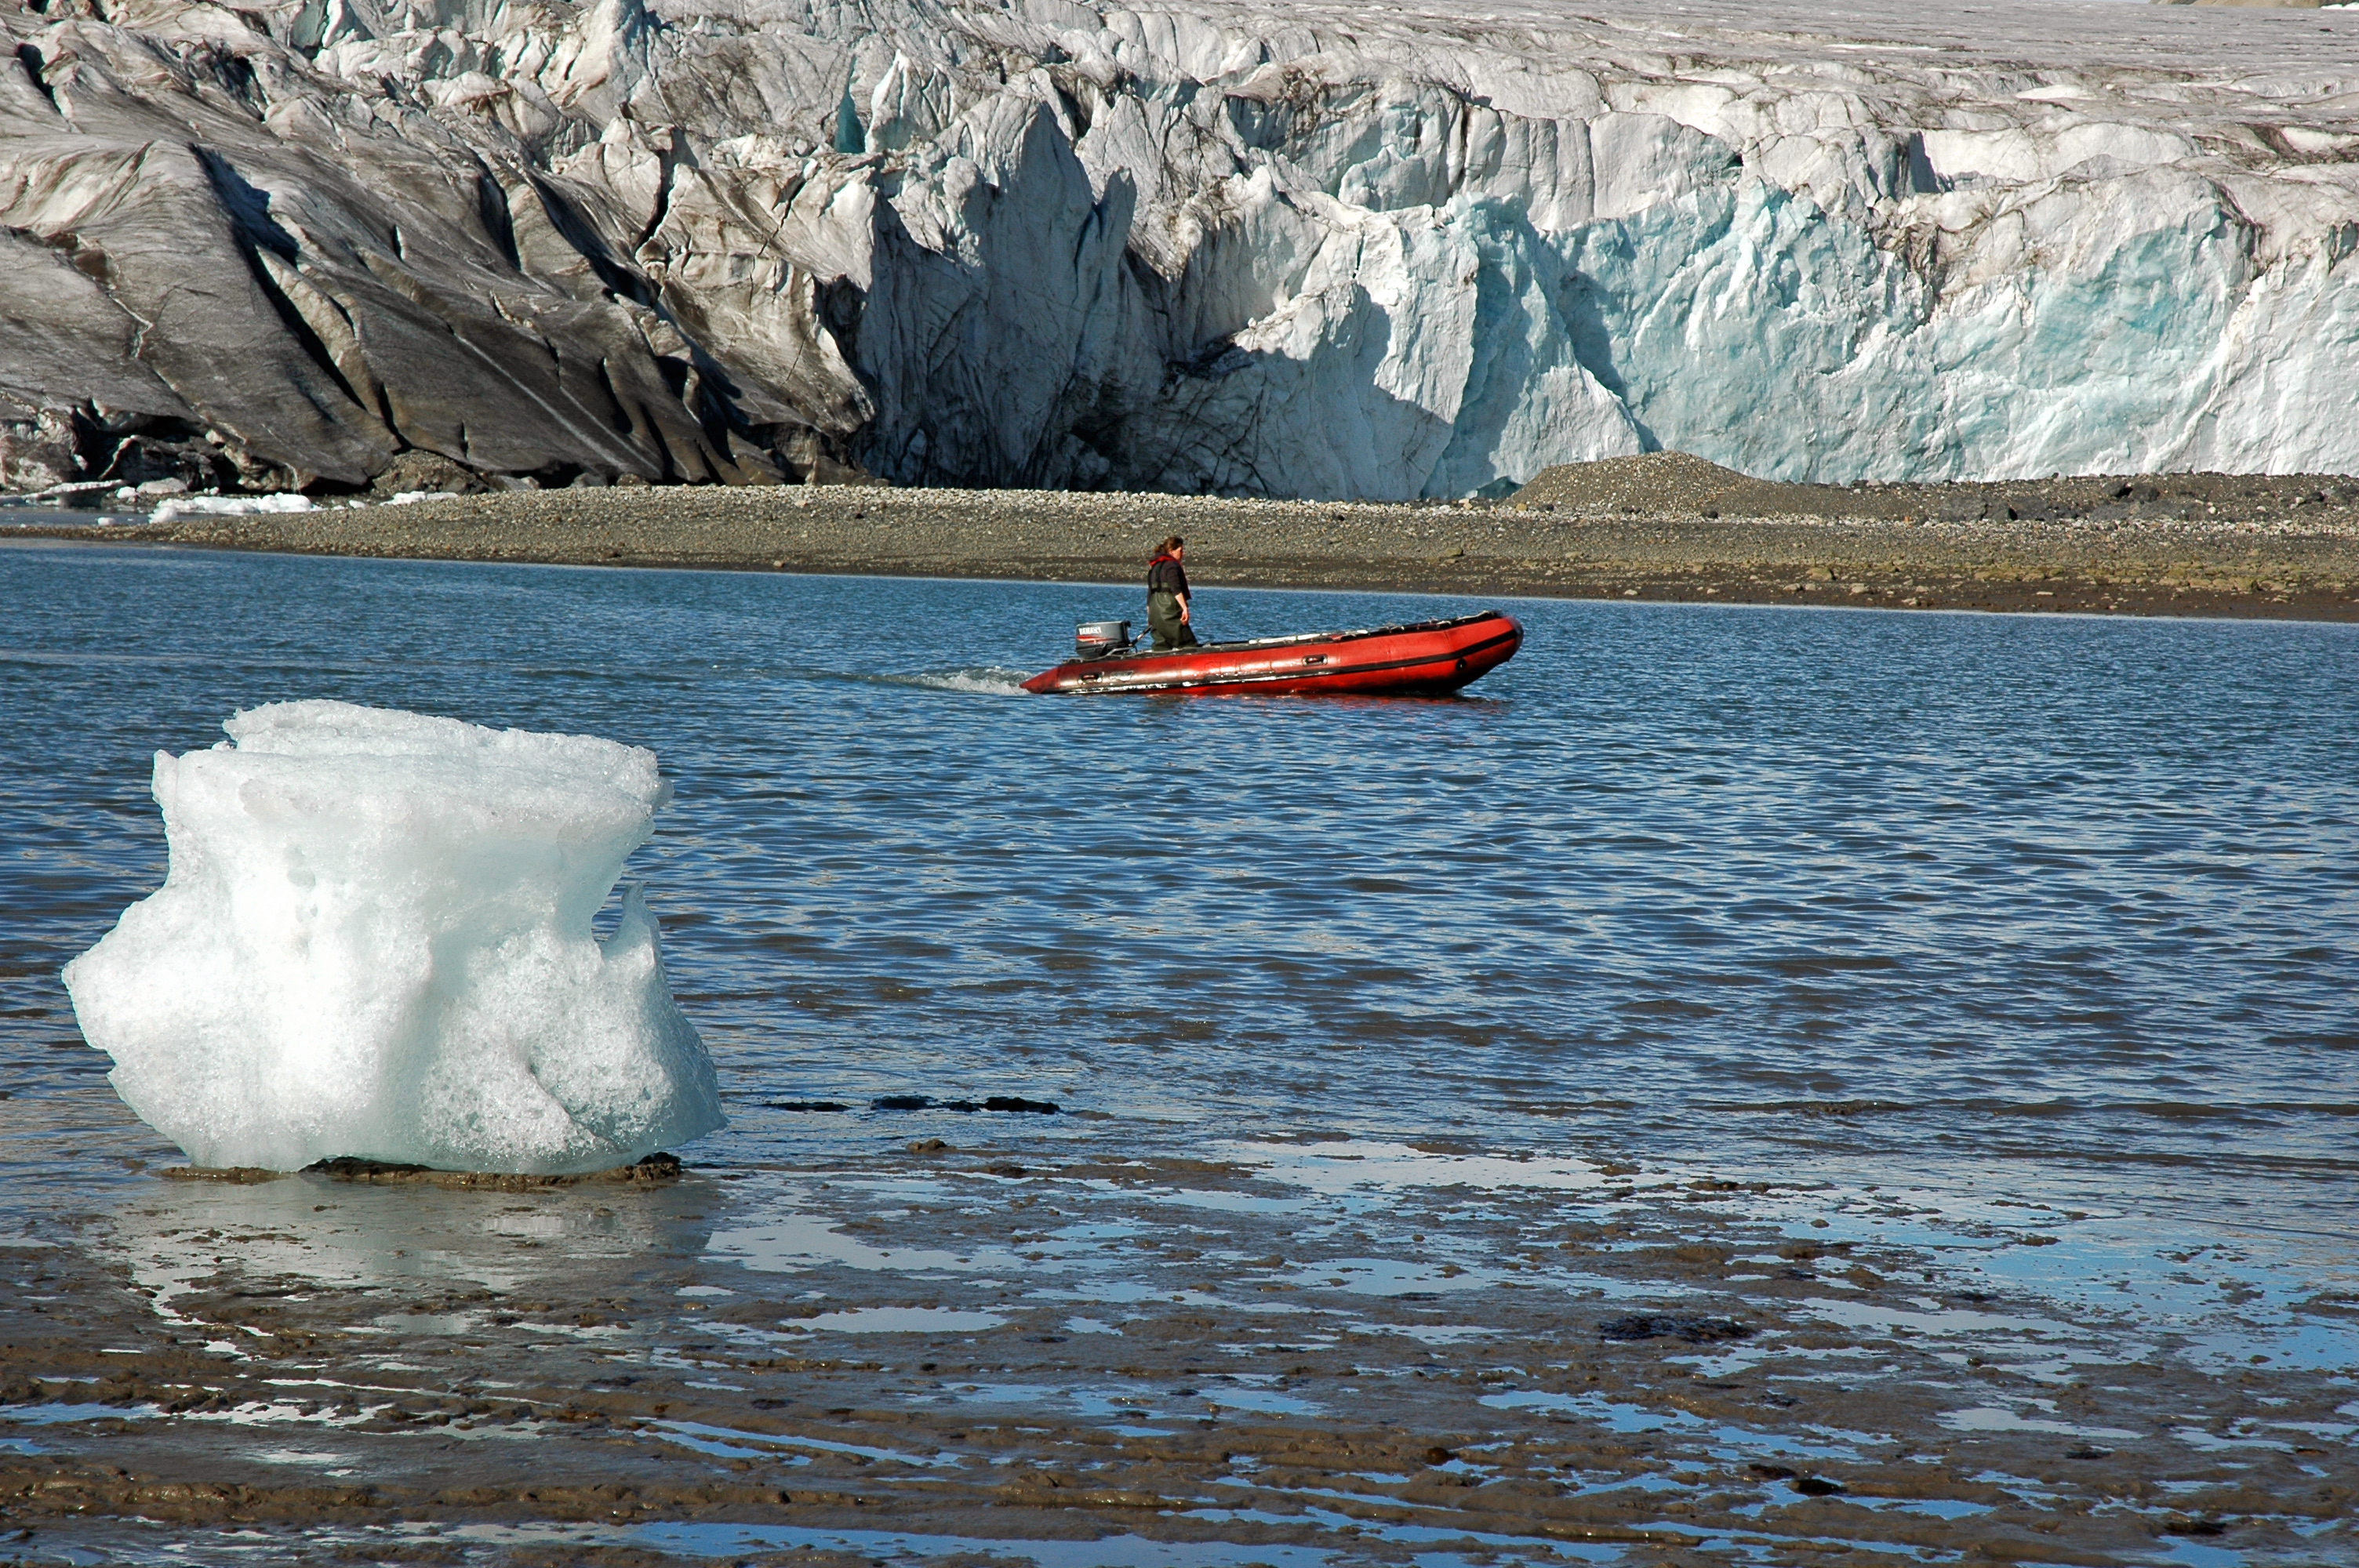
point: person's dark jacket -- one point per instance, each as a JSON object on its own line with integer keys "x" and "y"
{"x": 1165, "y": 575}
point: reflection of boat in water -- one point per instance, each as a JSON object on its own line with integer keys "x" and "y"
{"x": 1425, "y": 659}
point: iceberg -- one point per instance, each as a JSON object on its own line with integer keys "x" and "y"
{"x": 375, "y": 940}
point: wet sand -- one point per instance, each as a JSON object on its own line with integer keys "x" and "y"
{"x": 1661, "y": 527}
{"x": 1027, "y": 1336}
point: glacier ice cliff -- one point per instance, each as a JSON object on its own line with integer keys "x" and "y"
{"x": 1311, "y": 250}
{"x": 374, "y": 940}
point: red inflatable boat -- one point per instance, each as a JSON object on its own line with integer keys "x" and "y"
{"x": 1425, "y": 659}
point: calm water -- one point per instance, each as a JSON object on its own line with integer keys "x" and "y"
{"x": 2063, "y": 907}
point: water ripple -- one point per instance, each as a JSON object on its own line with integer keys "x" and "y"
{"x": 2077, "y": 898}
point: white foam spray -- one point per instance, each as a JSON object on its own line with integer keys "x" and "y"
{"x": 373, "y": 939}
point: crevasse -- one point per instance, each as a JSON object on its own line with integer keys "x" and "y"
{"x": 1316, "y": 252}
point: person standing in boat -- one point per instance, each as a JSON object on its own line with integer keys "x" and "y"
{"x": 1166, "y": 597}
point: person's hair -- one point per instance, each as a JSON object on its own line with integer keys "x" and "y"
{"x": 1171, "y": 543}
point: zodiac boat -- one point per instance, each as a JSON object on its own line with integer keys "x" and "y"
{"x": 1421, "y": 660}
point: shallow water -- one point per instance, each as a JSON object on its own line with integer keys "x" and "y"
{"x": 2025, "y": 948}
{"x": 2073, "y": 901}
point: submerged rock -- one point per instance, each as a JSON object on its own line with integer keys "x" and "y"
{"x": 1011, "y": 1103}
{"x": 1692, "y": 1330}
{"x": 427, "y": 246}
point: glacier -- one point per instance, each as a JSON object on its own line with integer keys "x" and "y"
{"x": 1311, "y": 250}
{"x": 373, "y": 941}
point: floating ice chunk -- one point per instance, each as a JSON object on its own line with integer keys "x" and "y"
{"x": 373, "y": 939}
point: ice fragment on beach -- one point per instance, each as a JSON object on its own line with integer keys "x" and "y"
{"x": 373, "y": 939}
{"x": 229, "y": 506}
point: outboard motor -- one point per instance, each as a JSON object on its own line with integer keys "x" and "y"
{"x": 1101, "y": 638}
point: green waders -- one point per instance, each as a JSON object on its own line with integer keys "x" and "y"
{"x": 1163, "y": 619}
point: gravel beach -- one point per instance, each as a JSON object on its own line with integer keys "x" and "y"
{"x": 1663, "y": 526}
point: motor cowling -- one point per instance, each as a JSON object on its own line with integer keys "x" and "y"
{"x": 1101, "y": 638}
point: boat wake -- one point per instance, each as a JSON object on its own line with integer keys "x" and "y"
{"x": 981, "y": 680}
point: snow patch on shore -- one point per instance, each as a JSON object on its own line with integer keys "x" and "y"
{"x": 230, "y": 506}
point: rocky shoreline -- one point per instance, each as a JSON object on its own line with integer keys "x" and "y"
{"x": 1663, "y": 527}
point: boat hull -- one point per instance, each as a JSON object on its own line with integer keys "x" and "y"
{"x": 1427, "y": 659}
